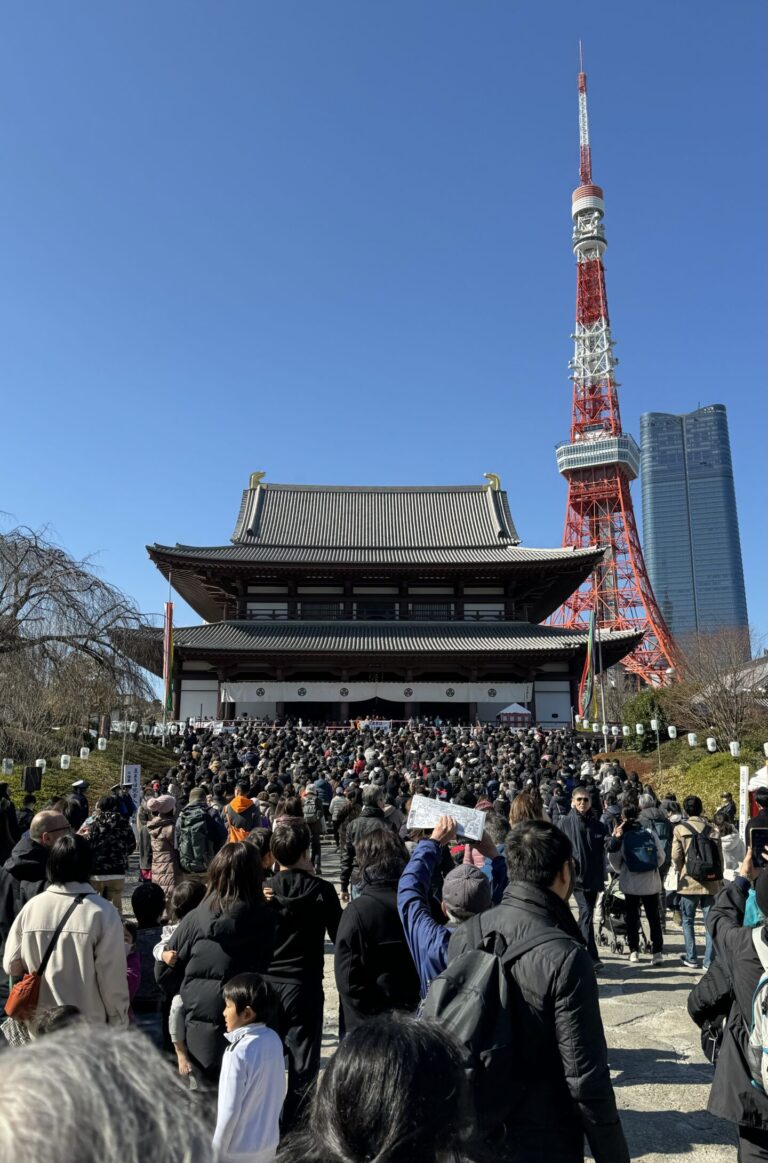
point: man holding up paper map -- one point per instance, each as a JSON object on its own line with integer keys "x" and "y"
{"x": 467, "y": 891}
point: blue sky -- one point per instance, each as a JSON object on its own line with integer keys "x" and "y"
{"x": 331, "y": 240}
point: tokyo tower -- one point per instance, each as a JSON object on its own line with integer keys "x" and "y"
{"x": 599, "y": 460}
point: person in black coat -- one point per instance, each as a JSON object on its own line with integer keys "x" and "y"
{"x": 587, "y": 835}
{"x": 370, "y": 819}
{"x": 373, "y": 964}
{"x": 232, "y": 931}
{"x": 306, "y": 908}
{"x": 733, "y": 1096}
{"x": 10, "y": 833}
{"x": 709, "y": 1004}
{"x": 559, "y": 1086}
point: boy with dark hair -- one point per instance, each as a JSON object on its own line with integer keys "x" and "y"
{"x": 307, "y": 908}
{"x": 251, "y": 1082}
{"x": 147, "y": 1004}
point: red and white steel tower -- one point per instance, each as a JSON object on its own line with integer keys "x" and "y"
{"x": 599, "y": 460}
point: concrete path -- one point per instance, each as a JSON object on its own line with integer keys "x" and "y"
{"x": 660, "y": 1075}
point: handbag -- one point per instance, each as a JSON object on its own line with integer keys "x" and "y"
{"x": 24, "y": 996}
{"x": 712, "y": 1039}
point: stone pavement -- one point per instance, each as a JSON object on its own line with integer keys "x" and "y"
{"x": 660, "y": 1076}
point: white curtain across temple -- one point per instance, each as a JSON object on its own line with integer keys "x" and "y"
{"x": 357, "y": 692}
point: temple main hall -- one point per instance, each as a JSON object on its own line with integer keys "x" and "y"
{"x": 333, "y": 603}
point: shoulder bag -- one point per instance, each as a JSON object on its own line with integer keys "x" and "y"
{"x": 24, "y": 996}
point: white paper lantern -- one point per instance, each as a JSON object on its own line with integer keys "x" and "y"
{"x": 614, "y": 731}
{"x": 639, "y": 729}
{"x": 672, "y": 732}
{"x": 101, "y": 743}
{"x": 585, "y": 724}
{"x": 735, "y": 748}
{"x": 595, "y": 728}
{"x": 85, "y": 752}
{"x": 174, "y": 729}
{"x": 42, "y": 764}
{"x": 133, "y": 727}
{"x": 64, "y": 763}
{"x": 625, "y": 731}
{"x": 654, "y": 724}
{"x": 606, "y": 729}
{"x": 7, "y": 767}
{"x": 765, "y": 750}
{"x": 578, "y": 720}
{"x": 693, "y": 739}
{"x": 711, "y": 743}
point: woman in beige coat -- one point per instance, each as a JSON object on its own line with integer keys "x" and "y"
{"x": 87, "y": 968}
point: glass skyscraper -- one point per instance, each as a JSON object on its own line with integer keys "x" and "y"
{"x": 690, "y": 526}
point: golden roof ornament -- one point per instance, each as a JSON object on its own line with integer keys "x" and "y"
{"x": 256, "y": 479}
{"x": 494, "y": 481}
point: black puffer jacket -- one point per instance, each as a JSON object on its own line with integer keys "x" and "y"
{"x": 212, "y": 948}
{"x": 563, "y": 1091}
{"x": 587, "y": 834}
{"x": 374, "y": 968}
{"x": 732, "y": 1096}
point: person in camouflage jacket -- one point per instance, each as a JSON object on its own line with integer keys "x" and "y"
{"x": 112, "y": 842}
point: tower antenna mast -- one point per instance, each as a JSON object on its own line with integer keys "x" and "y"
{"x": 600, "y": 460}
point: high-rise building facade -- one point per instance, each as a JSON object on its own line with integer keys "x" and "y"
{"x": 690, "y": 525}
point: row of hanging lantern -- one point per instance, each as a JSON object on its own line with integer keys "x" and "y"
{"x": 64, "y": 761}
{"x": 693, "y": 739}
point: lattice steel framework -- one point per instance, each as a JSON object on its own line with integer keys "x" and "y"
{"x": 599, "y": 461}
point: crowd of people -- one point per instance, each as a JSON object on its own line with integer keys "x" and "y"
{"x": 469, "y": 1021}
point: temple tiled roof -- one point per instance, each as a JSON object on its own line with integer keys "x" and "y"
{"x": 391, "y": 638}
{"x": 256, "y": 553}
{"x": 290, "y": 530}
{"x": 375, "y": 518}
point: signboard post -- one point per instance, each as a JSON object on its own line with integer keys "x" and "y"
{"x": 132, "y": 777}
{"x": 743, "y": 799}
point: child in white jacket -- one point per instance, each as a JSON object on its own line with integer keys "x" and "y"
{"x": 252, "y": 1080}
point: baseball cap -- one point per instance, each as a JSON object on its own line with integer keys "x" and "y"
{"x": 467, "y": 888}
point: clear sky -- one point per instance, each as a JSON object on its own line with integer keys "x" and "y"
{"x": 331, "y": 240}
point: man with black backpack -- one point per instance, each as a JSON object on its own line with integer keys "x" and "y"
{"x": 698, "y": 857}
{"x": 541, "y": 1067}
{"x": 637, "y": 854}
{"x": 314, "y": 818}
{"x": 200, "y": 832}
{"x": 655, "y": 819}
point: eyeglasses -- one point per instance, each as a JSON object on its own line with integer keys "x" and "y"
{"x": 581, "y": 800}
{"x": 63, "y": 828}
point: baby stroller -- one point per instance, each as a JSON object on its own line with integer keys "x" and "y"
{"x": 612, "y": 922}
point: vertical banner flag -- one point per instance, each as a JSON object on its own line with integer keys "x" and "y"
{"x": 168, "y": 658}
{"x": 587, "y": 684}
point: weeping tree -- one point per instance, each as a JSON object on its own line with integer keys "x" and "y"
{"x": 719, "y": 691}
{"x": 59, "y": 627}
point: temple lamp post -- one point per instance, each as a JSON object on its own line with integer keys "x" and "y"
{"x": 655, "y": 727}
